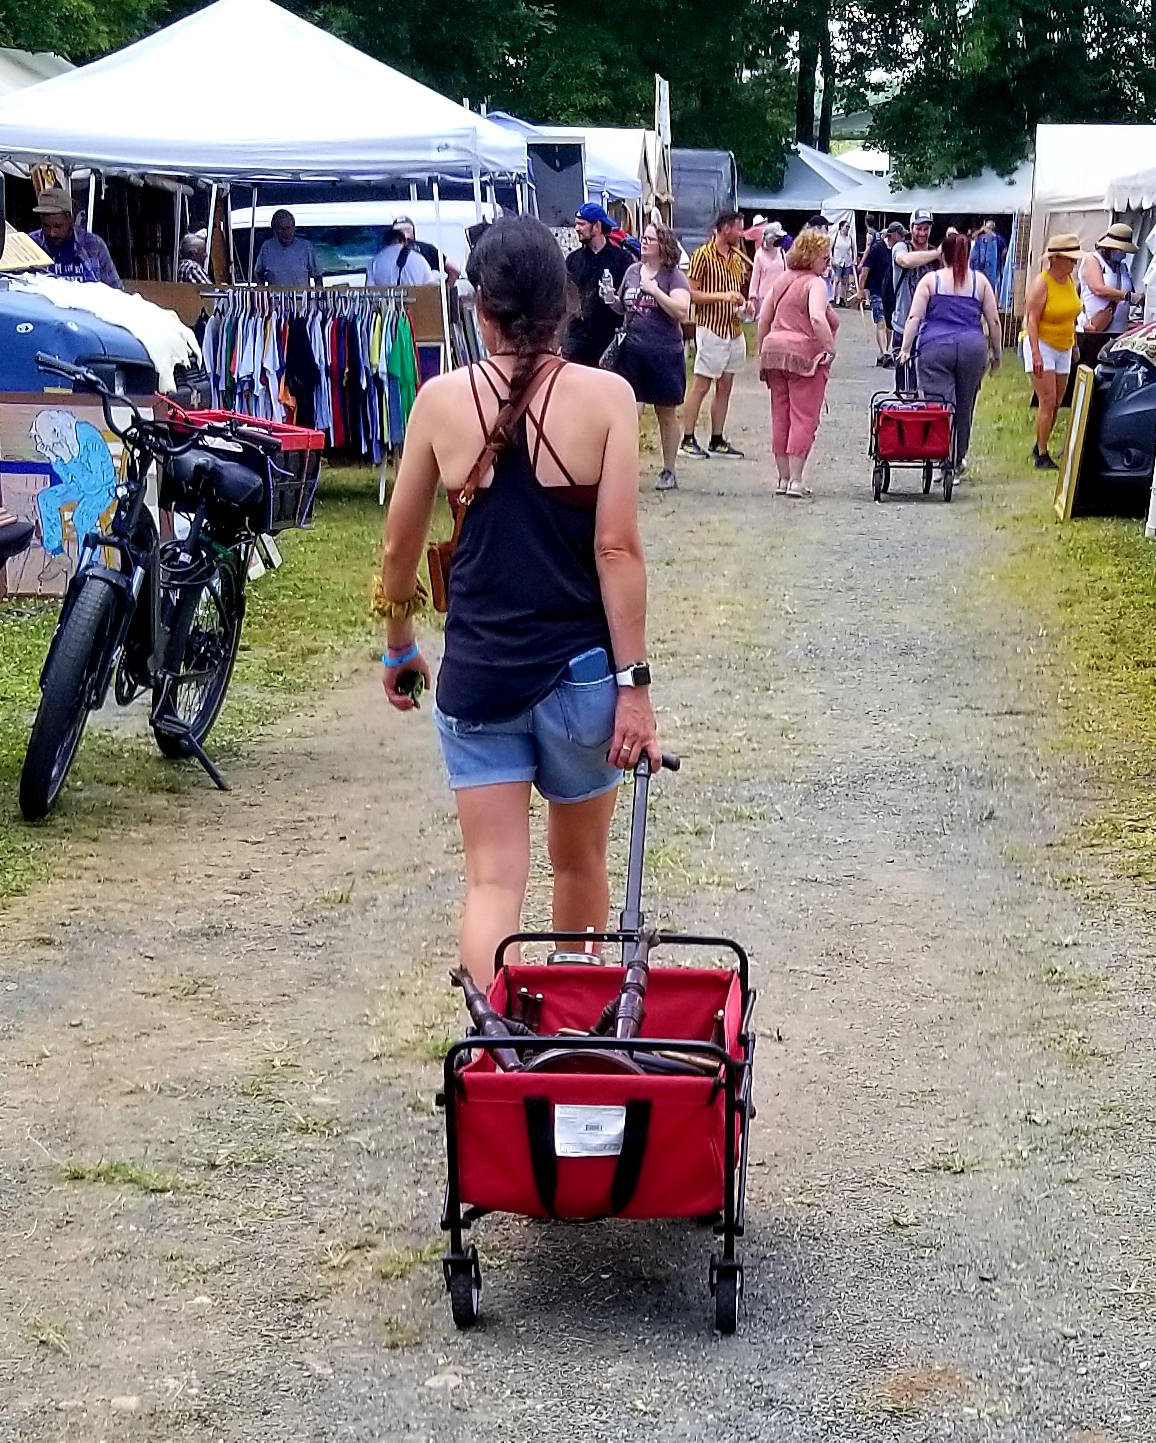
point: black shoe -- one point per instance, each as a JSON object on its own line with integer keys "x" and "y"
{"x": 719, "y": 447}
{"x": 880, "y": 360}
{"x": 1035, "y": 450}
{"x": 889, "y": 360}
{"x": 691, "y": 448}
{"x": 1044, "y": 462}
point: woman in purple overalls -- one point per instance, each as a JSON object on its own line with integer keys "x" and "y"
{"x": 955, "y": 319}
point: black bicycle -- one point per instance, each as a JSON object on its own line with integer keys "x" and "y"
{"x": 143, "y": 612}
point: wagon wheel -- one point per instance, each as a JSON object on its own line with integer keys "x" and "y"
{"x": 886, "y": 477}
{"x": 464, "y": 1280}
{"x": 948, "y": 481}
{"x": 927, "y": 477}
{"x": 726, "y": 1284}
{"x": 877, "y": 480}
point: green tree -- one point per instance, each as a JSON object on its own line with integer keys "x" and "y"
{"x": 79, "y": 30}
{"x": 976, "y": 81}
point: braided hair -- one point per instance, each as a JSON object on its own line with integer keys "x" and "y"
{"x": 518, "y": 270}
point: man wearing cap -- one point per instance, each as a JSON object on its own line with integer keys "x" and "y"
{"x": 597, "y": 266}
{"x": 286, "y": 259}
{"x": 875, "y": 285}
{"x": 911, "y": 262}
{"x": 433, "y": 257}
{"x": 77, "y": 254}
{"x": 399, "y": 262}
{"x": 1105, "y": 285}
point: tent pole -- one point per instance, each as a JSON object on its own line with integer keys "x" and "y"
{"x": 437, "y": 201}
{"x": 177, "y": 206}
{"x": 232, "y": 242}
{"x": 252, "y": 231}
{"x": 91, "y": 198}
{"x": 477, "y": 194}
{"x": 413, "y": 190}
{"x": 209, "y": 227}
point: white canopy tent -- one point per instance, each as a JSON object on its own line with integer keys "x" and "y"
{"x": 986, "y": 194}
{"x": 21, "y": 68}
{"x": 810, "y": 181}
{"x": 617, "y": 160}
{"x": 1075, "y": 168}
{"x": 244, "y": 90}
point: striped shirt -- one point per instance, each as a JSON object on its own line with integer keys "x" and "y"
{"x": 711, "y": 271}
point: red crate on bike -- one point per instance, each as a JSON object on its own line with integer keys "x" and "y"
{"x": 294, "y": 470}
{"x": 682, "y": 1172}
{"x": 912, "y": 430}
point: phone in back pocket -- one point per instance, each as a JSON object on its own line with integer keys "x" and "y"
{"x": 592, "y": 665}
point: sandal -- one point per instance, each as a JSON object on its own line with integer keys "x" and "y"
{"x": 781, "y": 489}
{"x": 798, "y": 492}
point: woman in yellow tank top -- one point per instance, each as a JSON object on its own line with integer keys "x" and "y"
{"x": 1053, "y": 303}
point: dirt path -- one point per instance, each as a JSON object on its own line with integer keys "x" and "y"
{"x": 228, "y": 1024}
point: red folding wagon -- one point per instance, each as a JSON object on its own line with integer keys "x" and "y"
{"x": 908, "y": 429}
{"x": 585, "y": 1126}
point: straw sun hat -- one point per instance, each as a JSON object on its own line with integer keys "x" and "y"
{"x": 1117, "y": 237}
{"x": 1067, "y": 243}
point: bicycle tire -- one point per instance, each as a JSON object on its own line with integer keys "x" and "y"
{"x": 78, "y": 655}
{"x": 215, "y": 651}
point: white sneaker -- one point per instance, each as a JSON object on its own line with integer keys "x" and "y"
{"x": 667, "y": 480}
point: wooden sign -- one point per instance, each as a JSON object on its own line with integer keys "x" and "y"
{"x": 1069, "y": 477}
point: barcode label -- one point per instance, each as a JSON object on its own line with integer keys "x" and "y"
{"x": 588, "y": 1131}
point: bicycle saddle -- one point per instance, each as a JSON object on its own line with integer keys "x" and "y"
{"x": 230, "y": 481}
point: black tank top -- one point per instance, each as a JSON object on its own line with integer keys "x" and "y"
{"x": 524, "y": 596}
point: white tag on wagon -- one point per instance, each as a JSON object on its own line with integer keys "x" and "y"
{"x": 588, "y": 1131}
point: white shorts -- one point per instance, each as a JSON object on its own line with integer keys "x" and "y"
{"x": 715, "y": 354}
{"x": 1058, "y": 361}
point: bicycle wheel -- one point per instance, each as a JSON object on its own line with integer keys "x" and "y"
{"x": 209, "y": 612}
{"x": 78, "y": 657}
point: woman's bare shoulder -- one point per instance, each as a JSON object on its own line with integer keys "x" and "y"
{"x": 594, "y": 385}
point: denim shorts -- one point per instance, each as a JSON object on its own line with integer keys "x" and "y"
{"x": 878, "y": 313}
{"x": 560, "y": 745}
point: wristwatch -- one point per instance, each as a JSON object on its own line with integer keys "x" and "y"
{"x": 637, "y": 674}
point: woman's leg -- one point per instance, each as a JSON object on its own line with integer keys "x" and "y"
{"x": 1045, "y": 388}
{"x": 495, "y": 823}
{"x": 806, "y": 394}
{"x": 577, "y": 835}
{"x": 668, "y": 434}
{"x": 971, "y": 362}
{"x": 1059, "y": 380}
{"x": 780, "y": 422}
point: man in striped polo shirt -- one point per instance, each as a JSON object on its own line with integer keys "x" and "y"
{"x": 718, "y": 271}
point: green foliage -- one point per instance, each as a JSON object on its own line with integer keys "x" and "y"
{"x": 79, "y": 30}
{"x": 976, "y": 80}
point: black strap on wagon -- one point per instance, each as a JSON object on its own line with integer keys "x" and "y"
{"x": 544, "y": 1159}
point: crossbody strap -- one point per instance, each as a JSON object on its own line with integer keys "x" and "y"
{"x": 507, "y": 415}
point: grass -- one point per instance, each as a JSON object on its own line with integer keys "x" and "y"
{"x": 304, "y": 626}
{"x": 1092, "y": 584}
{"x": 130, "y": 1174}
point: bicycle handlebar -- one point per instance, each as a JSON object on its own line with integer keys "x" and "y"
{"x": 148, "y": 432}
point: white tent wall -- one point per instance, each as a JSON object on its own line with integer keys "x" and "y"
{"x": 1074, "y": 167}
{"x": 195, "y": 99}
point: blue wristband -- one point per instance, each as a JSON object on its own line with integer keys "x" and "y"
{"x": 395, "y": 661}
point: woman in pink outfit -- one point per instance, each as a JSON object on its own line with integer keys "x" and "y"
{"x": 797, "y": 326}
{"x": 770, "y": 261}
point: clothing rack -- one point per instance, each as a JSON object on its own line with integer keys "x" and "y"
{"x": 340, "y": 359}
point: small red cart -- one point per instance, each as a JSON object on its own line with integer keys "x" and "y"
{"x": 579, "y": 1130}
{"x": 910, "y": 430}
